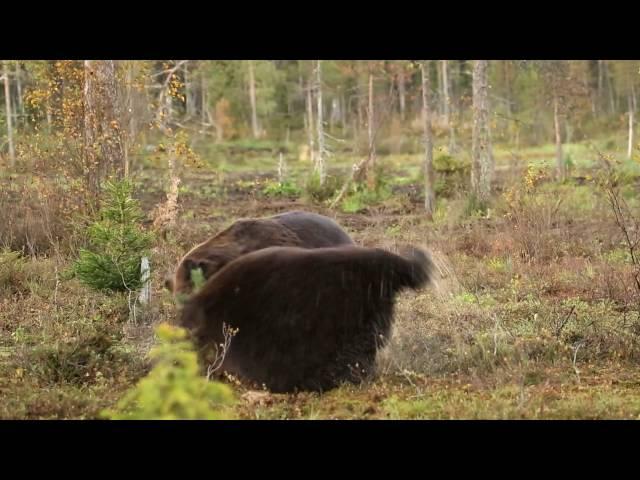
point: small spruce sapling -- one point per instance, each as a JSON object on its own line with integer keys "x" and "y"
{"x": 117, "y": 243}
{"x": 174, "y": 389}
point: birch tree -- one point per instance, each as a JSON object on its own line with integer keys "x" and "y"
{"x": 7, "y": 102}
{"x": 320, "y": 154}
{"x": 627, "y": 74}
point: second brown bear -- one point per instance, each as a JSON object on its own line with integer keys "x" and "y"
{"x": 292, "y": 229}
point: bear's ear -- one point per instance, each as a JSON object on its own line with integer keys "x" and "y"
{"x": 197, "y": 272}
{"x": 190, "y": 264}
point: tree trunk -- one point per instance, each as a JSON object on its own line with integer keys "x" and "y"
{"x": 203, "y": 98}
{"x": 568, "y": 132}
{"x": 320, "y": 164}
{"x": 190, "y": 100}
{"x": 7, "y": 102}
{"x": 459, "y": 102}
{"x": 104, "y": 150}
{"x": 429, "y": 181}
{"x": 128, "y": 117}
{"x": 482, "y": 171}
{"x": 360, "y": 108}
{"x": 48, "y": 115}
{"x": 440, "y": 77}
{"x": 445, "y": 91}
{"x": 371, "y": 164}
{"x": 591, "y": 79}
{"x": 612, "y": 98}
{"x": 252, "y": 98}
{"x": 136, "y": 108}
{"x": 631, "y": 118}
{"x": 600, "y": 79}
{"x": 168, "y": 110}
{"x": 344, "y": 111}
{"x": 310, "y": 123}
{"x": 447, "y": 106}
{"x": 214, "y": 120}
{"x": 335, "y": 113}
{"x": 560, "y": 166}
{"x": 19, "y": 88}
{"x": 509, "y": 86}
{"x": 402, "y": 94}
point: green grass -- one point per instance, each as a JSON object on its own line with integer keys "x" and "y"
{"x": 518, "y": 402}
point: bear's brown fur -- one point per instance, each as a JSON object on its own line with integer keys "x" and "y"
{"x": 299, "y": 229}
{"x": 306, "y": 319}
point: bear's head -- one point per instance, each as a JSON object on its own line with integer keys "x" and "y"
{"x": 209, "y": 263}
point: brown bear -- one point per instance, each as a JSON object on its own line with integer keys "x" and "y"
{"x": 297, "y": 228}
{"x": 306, "y": 319}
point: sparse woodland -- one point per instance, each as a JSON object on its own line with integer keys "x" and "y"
{"x": 520, "y": 177}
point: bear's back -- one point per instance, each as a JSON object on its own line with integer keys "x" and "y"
{"x": 314, "y": 230}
